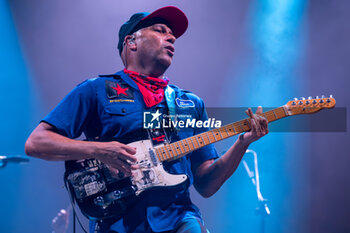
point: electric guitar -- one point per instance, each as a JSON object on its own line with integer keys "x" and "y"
{"x": 102, "y": 195}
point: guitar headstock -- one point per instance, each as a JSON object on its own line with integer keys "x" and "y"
{"x": 309, "y": 105}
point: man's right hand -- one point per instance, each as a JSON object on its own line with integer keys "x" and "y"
{"x": 117, "y": 156}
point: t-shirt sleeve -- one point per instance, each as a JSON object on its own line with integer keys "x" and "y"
{"x": 207, "y": 152}
{"x": 70, "y": 116}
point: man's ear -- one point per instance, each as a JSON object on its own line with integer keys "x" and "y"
{"x": 130, "y": 42}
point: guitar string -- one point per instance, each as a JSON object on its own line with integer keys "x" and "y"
{"x": 210, "y": 134}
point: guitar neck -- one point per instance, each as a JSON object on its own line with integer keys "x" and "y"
{"x": 180, "y": 148}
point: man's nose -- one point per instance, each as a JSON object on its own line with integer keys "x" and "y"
{"x": 171, "y": 38}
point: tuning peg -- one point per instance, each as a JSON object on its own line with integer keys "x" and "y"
{"x": 314, "y": 101}
{"x": 302, "y": 98}
{"x": 317, "y": 97}
{"x": 329, "y": 98}
{"x": 321, "y": 101}
{"x": 323, "y": 96}
{"x": 308, "y": 100}
{"x": 300, "y": 102}
{"x": 295, "y": 99}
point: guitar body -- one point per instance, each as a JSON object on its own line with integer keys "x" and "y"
{"x": 101, "y": 194}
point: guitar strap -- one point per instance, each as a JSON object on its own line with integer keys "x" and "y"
{"x": 170, "y": 100}
{"x": 160, "y": 136}
{"x": 169, "y": 94}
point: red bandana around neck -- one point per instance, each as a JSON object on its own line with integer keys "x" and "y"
{"x": 152, "y": 89}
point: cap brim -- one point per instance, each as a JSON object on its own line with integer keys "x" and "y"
{"x": 176, "y": 19}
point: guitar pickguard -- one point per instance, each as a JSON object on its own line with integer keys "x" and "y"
{"x": 151, "y": 172}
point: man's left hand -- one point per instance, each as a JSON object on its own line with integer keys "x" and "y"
{"x": 259, "y": 126}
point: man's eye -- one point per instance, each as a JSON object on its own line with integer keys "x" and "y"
{"x": 159, "y": 30}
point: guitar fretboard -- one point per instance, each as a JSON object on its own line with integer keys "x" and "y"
{"x": 180, "y": 148}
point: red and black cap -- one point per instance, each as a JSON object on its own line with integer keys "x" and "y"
{"x": 172, "y": 16}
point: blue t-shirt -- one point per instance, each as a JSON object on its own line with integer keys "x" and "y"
{"x": 111, "y": 106}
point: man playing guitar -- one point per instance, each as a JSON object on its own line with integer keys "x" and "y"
{"x": 111, "y": 106}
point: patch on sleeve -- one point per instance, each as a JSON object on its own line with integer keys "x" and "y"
{"x": 119, "y": 92}
{"x": 184, "y": 103}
